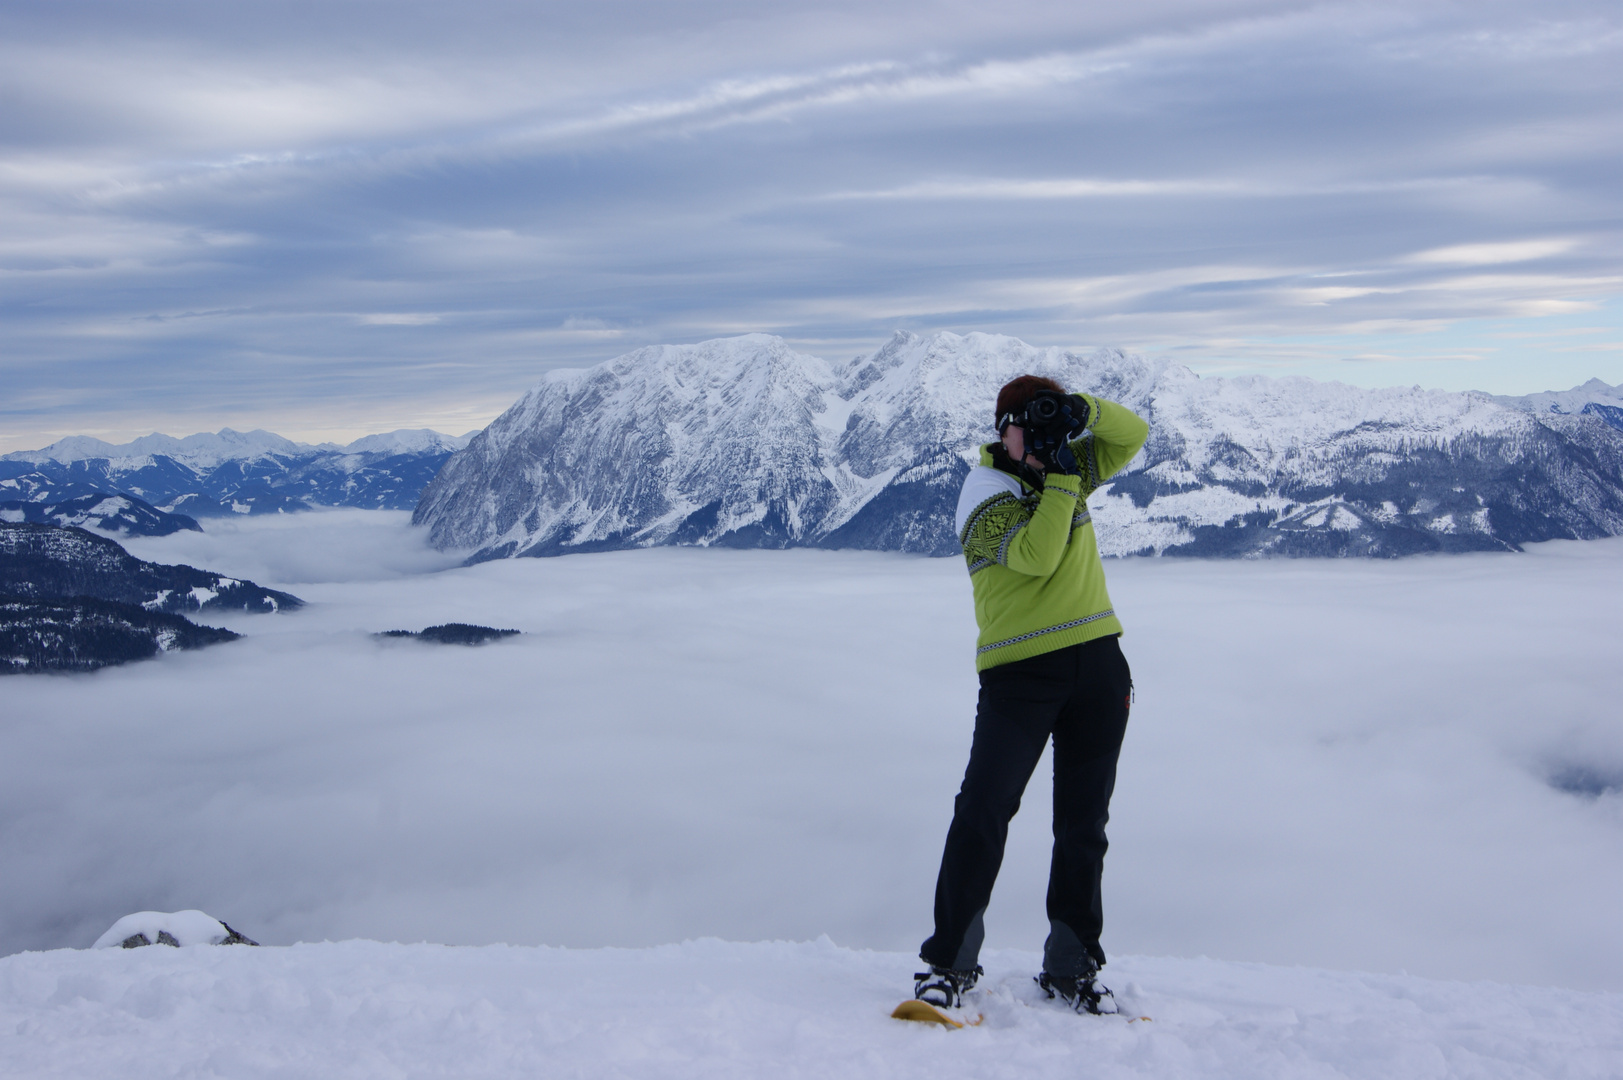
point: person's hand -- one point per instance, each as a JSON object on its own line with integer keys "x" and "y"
{"x": 1065, "y": 460}
{"x": 1081, "y": 414}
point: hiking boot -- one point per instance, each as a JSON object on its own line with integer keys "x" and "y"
{"x": 1084, "y": 993}
{"x": 944, "y": 987}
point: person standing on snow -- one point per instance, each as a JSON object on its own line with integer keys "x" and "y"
{"x": 1049, "y": 666}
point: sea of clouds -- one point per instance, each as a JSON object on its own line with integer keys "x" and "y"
{"x": 1391, "y": 766}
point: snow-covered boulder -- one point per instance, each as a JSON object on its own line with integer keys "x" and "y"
{"x": 190, "y": 927}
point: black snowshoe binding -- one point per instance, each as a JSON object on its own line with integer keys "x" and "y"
{"x": 944, "y": 987}
{"x": 1084, "y": 993}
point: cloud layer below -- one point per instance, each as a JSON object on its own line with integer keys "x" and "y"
{"x": 347, "y": 219}
{"x": 1329, "y": 763}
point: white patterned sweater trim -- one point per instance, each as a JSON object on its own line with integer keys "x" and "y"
{"x": 981, "y": 484}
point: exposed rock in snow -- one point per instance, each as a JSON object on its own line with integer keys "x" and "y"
{"x": 190, "y": 927}
{"x": 744, "y": 442}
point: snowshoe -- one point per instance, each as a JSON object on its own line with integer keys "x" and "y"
{"x": 1084, "y": 993}
{"x": 944, "y": 987}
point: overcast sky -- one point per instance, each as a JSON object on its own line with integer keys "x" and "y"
{"x": 340, "y": 217}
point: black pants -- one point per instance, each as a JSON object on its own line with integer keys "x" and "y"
{"x": 1080, "y": 695}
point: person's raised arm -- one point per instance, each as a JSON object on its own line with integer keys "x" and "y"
{"x": 1117, "y": 434}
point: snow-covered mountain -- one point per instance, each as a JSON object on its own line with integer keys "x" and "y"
{"x": 1593, "y": 398}
{"x": 234, "y": 472}
{"x": 744, "y": 442}
{"x": 122, "y": 514}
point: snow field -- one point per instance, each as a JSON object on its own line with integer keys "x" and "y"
{"x": 717, "y": 1009}
{"x": 1412, "y": 766}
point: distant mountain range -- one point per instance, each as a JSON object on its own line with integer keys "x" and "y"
{"x": 744, "y": 442}
{"x": 230, "y": 472}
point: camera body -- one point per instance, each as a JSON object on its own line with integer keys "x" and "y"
{"x": 1050, "y": 420}
{"x": 1047, "y": 410}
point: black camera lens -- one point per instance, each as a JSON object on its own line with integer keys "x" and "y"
{"x": 1042, "y": 411}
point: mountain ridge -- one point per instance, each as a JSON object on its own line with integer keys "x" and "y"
{"x": 745, "y": 442}
{"x": 231, "y": 472}
{"x": 228, "y": 444}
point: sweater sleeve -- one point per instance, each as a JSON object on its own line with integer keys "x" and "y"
{"x": 1004, "y": 531}
{"x": 1109, "y": 443}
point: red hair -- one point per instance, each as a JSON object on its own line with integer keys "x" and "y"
{"x": 1017, "y": 394}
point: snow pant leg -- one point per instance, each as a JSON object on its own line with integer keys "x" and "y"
{"x": 1016, "y": 711}
{"x": 1087, "y": 742}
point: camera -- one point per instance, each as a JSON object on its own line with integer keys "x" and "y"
{"x": 1051, "y": 417}
{"x": 1046, "y": 410}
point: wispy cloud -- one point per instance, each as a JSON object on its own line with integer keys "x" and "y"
{"x": 1410, "y": 358}
{"x": 402, "y": 318}
{"x": 1050, "y": 189}
{"x": 1491, "y": 253}
{"x": 207, "y": 212}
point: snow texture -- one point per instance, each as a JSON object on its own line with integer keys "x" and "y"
{"x": 191, "y": 927}
{"x": 714, "y": 1009}
{"x": 743, "y": 442}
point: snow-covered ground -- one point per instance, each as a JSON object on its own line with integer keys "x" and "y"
{"x": 712, "y": 1009}
{"x": 1413, "y": 768}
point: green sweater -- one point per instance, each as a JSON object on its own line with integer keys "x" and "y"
{"x": 1033, "y": 558}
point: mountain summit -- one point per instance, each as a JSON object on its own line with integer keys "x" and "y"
{"x": 745, "y": 442}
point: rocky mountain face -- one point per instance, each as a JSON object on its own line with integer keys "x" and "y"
{"x": 744, "y": 442}
{"x": 233, "y": 472}
{"x": 46, "y": 561}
